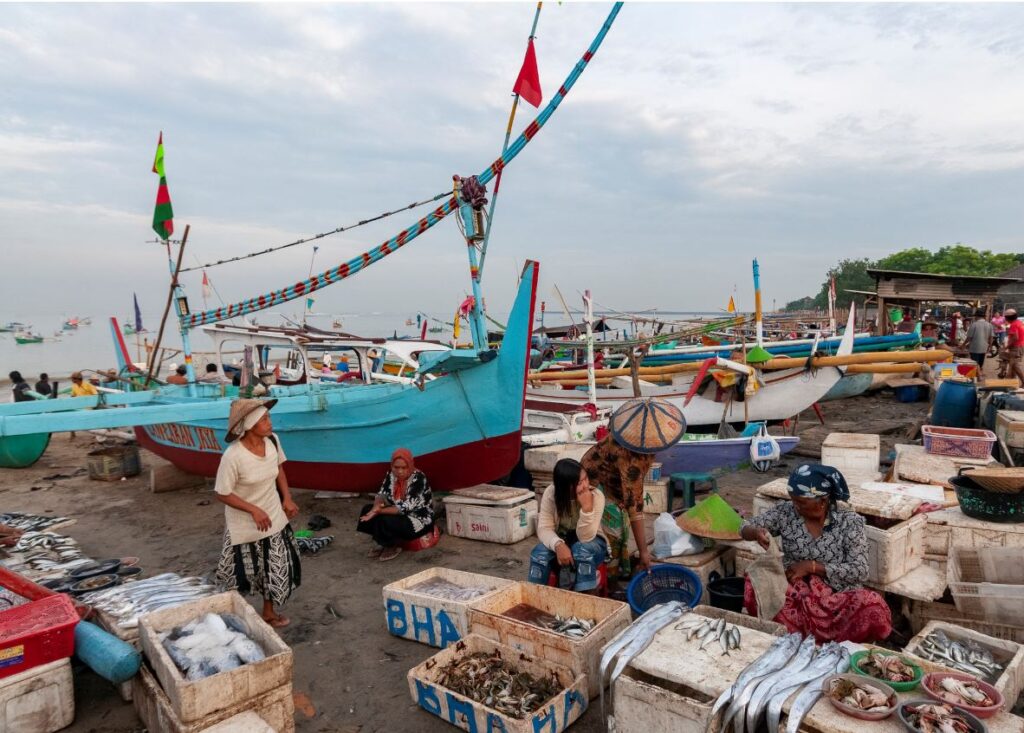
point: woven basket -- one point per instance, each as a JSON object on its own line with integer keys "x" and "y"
{"x": 999, "y": 480}
{"x": 113, "y": 464}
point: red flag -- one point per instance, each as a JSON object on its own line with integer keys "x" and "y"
{"x": 527, "y": 85}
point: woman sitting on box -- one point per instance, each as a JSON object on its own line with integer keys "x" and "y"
{"x": 402, "y": 510}
{"x": 569, "y": 528}
{"x": 825, "y": 555}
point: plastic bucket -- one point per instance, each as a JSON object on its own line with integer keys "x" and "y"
{"x": 954, "y": 405}
{"x": 726, "y": 593}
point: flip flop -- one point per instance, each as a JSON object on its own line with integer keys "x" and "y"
{"x": 390, "y": 553}
{"x": 278, "y": 622}
{"x": 374, "y": 552}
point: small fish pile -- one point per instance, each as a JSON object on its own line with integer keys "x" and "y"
{"x": 212, "y": 643}
{"x": 488, "y": 679}
{"x": 572, "y": 626}
{"x": 963, "y": 692}
{"x": 966, "y": 656}
{"x": 10, "y": 599}
{"x": 46, "y": 555}
{"x": 886, "y": 667}
{"x": 633, "y": 639}
{"x": 860, "y": 696}
{"x": 937, "y": 718}
{"x": 709, "y": 631}
{"x": 125, "y": 603}
{"x": 790, "y": 665}
{"x": 30, "y": 522}
{"x": 449, "y": 591}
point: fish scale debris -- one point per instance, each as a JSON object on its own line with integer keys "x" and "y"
{"x": 486, "y": 678}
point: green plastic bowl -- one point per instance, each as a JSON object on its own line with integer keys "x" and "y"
{"x": 306, "y": 533}
{"x": 855, "y": 661}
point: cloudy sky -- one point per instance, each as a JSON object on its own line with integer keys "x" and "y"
{"x": 701, "y": 135}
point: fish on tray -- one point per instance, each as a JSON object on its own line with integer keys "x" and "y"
{"x": 125, "y": 603}
{"x": 966, "y": 656}
{"x": 448, "y": 591}
{"x": 572, "y": 626}
{"x": 486, "y": 678}
{"x": 937, "y": 718}
{"x": 710, "y": 631}
{"x": 212, "y": 643}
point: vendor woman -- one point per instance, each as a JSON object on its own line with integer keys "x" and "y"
{"x": 825, "y": 555}
{"x": 569, "y": 528}
{"x": 617, "y": 467}
{"x": 260, "y": 555}
{"x": 402, "y": 510}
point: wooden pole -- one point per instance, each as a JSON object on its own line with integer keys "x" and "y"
{"x": 167, "y": 308}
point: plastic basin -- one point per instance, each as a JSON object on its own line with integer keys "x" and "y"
{"x": 901, "y": 713}
{"x": 863, "y": 680}
{"x": 930, "y": 685}
{"x": 858, "y": 657}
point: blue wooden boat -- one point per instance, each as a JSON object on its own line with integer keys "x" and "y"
{"x": 461, "y": 415}
{"x": 850, "y": 385}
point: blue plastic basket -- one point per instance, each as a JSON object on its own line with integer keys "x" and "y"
{"x": 662, "y": 584}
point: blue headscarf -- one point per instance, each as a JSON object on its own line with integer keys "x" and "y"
{"x": 815, "y": 481}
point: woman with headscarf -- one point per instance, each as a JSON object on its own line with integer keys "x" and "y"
{"x": 402, "y": 510}
{"x": 825, "y": 555}
{"x": 617, "y": 466}
{"x": 260, "y": 555}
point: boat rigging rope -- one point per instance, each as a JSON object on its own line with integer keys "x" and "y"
{"x": 354, "y": 265}
{"x": 339, "y": 230}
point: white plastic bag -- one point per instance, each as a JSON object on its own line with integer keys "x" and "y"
{"x": 671, "y": 541}
{"x": 764, "y": 451}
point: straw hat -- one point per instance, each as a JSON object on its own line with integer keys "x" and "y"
{"x": 241, "y": 409}
{"x": 712, "y": 518}
{"x": 647, "y": 425}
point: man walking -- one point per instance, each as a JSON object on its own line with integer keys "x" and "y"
{"x": 979, "y": 338}
{"x": 1014, "y": 345}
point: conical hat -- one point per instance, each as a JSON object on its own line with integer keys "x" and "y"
{"x": 647, "y": 425}
{"x": 240, "y": 408}
{"x": 758, "y": 355}
{"x": 712, "y": 518}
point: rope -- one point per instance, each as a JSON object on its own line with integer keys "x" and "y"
{"x": 315, "y": 237}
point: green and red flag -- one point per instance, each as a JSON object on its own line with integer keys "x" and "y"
{"x": 163, "y": 215}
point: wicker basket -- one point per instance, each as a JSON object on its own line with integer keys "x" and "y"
{"x": 115, "y": 463}
{"x": 958, "y": 442}
{"x": 1000, "y": 480}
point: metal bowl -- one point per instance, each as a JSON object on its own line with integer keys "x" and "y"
{"x": 101, "y": 567}
{"x": 901, "y": 711}
{"x": 95, "y": 582}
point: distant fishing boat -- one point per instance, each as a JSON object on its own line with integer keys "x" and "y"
{"x": 27, "y": 337}
{"x": 132, "y": 326}
{"x": 13, "y": 326}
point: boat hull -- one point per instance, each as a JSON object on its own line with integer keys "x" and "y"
{"x": 21, "y": 451}
{"x": 850, "y": 385}
{"x": 713, "y": 456}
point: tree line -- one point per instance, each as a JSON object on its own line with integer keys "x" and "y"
{"x": 955, "y": 259}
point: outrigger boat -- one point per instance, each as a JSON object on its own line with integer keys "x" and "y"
{"x": 463, "y": 426}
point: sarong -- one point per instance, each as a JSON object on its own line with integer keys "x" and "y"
{"x": 269, "y": 567}
{"x": 812, "y": 607}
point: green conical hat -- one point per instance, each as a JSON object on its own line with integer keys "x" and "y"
{"x": 758, "y": 355}
{"x": 713, "y": 518}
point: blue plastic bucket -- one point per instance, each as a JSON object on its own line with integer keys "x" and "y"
{"x": 955, "y": 404}
{"x": 664, "y": 583}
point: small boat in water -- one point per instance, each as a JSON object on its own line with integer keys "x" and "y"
{"x": 27, "y": 337}
{"x": 14, "y": 326}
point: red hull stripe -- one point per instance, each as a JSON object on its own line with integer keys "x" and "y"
{"x": 452, "y": 468}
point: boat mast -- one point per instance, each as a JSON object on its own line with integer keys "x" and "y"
{"x": 504, "y": 149}
{"x": 758, "y": 324}
{"x": 588, "y": 315}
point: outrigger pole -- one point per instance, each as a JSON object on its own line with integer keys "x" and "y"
{"x": 174, "y": 295}
{"x": 504, "y": 147}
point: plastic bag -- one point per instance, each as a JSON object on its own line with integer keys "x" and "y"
{"x": 671, "y": 541}
{"x": 764, "y": 451}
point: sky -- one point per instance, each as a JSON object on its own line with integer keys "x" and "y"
{"x": 699, "y": 137}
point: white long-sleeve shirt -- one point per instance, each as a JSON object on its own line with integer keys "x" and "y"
{"x": 587, "y": 528}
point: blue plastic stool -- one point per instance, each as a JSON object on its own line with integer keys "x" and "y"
{"x": 687, "y": 483}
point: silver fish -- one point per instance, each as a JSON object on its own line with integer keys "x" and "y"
{"x": 806, "y": 699}
{"x": 760, "y": 694}
{"x": 775, "y": 657}
{"x": 833, "y": 660}
{"x": 735, "y": 638}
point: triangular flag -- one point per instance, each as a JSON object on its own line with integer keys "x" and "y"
{"x": 309, "y": 303}
{"x": 206, "y": 285}
{"x": 527, "y": 85}
{"x": 163, "y": 215}
{"x": 732, "y": 305}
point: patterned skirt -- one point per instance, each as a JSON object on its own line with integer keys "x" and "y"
{"x": 269, "y": 567}
{"x": 812, "y": 607}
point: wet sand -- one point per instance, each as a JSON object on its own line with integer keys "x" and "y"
{"x": 350, "y": 674}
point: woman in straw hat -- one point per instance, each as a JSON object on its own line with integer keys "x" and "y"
{"x": 260, "y": 555}
{"x": 617, "y": 466}
{"x": 825, "y": 554}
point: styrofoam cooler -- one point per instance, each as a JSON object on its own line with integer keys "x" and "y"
{"x": 851, "y": 452}
{"x": 38, "y": 700}
{"x": 492, "y": 514}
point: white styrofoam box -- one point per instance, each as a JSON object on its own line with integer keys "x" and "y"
{"x": 988, "y": 582}
{"x": 949, "y": 528}
{"x": 555, "y": 715}
{"x": 1010, "y": 427}
{"x": 38, "y": 700}
{"x": 851, "y": 452}
{"x": 656, "y": 494}
{"x": 247, "y": 722}
{"x": 195, "y": 700}
{"x": 544, "y": 458}
{"x": 414, "y": 614}
{"x": 504, "y": 525}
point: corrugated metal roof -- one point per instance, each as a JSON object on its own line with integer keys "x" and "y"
{"x": 937, "y": 276}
